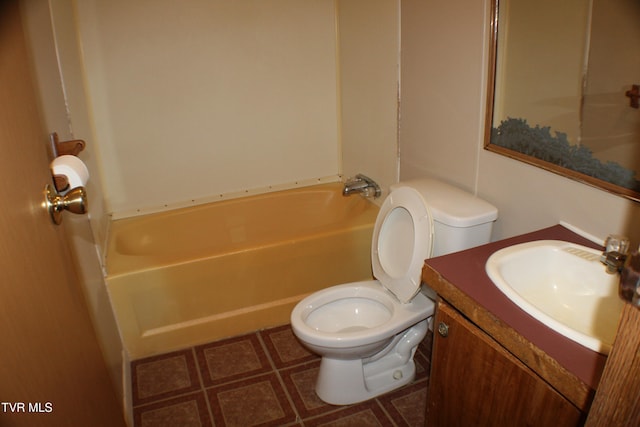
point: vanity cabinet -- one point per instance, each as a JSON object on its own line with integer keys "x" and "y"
{"x": 477, "y": 382}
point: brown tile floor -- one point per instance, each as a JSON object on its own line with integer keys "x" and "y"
{"x": 263, "y": 378}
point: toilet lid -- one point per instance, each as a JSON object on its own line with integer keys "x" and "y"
{"x": 402, "y": 240}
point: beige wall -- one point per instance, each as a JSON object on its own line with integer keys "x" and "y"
{"x": 442, "y": 82}
{"x": 443, "y": 88}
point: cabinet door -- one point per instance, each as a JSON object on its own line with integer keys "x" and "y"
{"x": 476, "y": 382}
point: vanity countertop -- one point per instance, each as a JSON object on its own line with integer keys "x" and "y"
{"x": 460, "y": 279}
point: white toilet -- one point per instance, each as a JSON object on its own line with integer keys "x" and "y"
{"x": 367, "y": 332}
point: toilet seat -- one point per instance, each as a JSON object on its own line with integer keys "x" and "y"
{"x": 402, "y": 240}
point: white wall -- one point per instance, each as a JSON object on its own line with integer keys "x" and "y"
{"x": 443, "y": 91}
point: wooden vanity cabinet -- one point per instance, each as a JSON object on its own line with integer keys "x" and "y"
{"x": 476, "y": 382}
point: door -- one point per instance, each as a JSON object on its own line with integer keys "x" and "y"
{"x": 51, "y": 369}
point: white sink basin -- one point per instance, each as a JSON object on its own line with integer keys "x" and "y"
{"x": 564, "y": 286}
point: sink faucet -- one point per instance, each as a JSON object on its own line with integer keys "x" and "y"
{"x": 363, "y": 185}
{"x": 615, "y": 253}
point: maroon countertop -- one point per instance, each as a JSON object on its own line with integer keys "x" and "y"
{"x": 466, "y": 271}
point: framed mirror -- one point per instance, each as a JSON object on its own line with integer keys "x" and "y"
{"x": 564, "y": 89}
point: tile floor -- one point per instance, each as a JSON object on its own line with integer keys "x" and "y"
{"x": 264, "y": 378}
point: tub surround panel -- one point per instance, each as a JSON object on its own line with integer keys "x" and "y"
{"x": 572, "y": 369}
{"x": 210, "y": 98}
{"x": 185, "y": 277}
{"x": 369, "y": 44}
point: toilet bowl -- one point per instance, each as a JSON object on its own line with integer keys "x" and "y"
{"x": 356, "y": 328}
{"x": 367, "y": 332}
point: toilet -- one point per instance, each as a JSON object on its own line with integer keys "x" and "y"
{"x": 367, "y": 332}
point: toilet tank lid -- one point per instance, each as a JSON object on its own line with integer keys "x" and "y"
{"x": 451, "y": 205}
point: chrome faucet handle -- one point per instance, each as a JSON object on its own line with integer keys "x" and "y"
{"x": 615, "y": 252}
{"x": 372, "y": 186}
{"x": 617, "y": 243}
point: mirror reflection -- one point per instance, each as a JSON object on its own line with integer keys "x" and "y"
{"x": 565, "y": 78}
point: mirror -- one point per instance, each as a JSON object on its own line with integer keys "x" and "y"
{"x": 563, "y": 89}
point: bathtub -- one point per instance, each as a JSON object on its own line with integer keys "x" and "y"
{"x": 198, "y": 274}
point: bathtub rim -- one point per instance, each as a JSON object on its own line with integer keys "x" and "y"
{"x": 129, "y": 264}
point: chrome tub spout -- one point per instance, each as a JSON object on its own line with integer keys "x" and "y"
{"x": 363, "y": 185}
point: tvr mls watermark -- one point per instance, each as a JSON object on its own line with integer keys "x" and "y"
{"x": 30, "y": 407}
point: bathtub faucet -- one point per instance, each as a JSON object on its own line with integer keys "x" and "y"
{"x": 363, "y": 185}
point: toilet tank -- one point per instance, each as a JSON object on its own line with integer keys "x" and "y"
{"x": 461, "y": 220}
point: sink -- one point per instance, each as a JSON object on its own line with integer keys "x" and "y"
{"x": 564, "y": 286}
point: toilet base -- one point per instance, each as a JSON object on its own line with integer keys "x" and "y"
{"x": 343, "y": 382}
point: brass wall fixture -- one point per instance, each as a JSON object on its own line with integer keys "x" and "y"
{"x": 58, "y": 148}
{"x": 634, "y": 96}
{"x": 69, "y": 175}
{"x": 74, "y": 201}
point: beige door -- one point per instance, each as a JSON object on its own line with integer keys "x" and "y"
{"x": 51, "y": 370}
